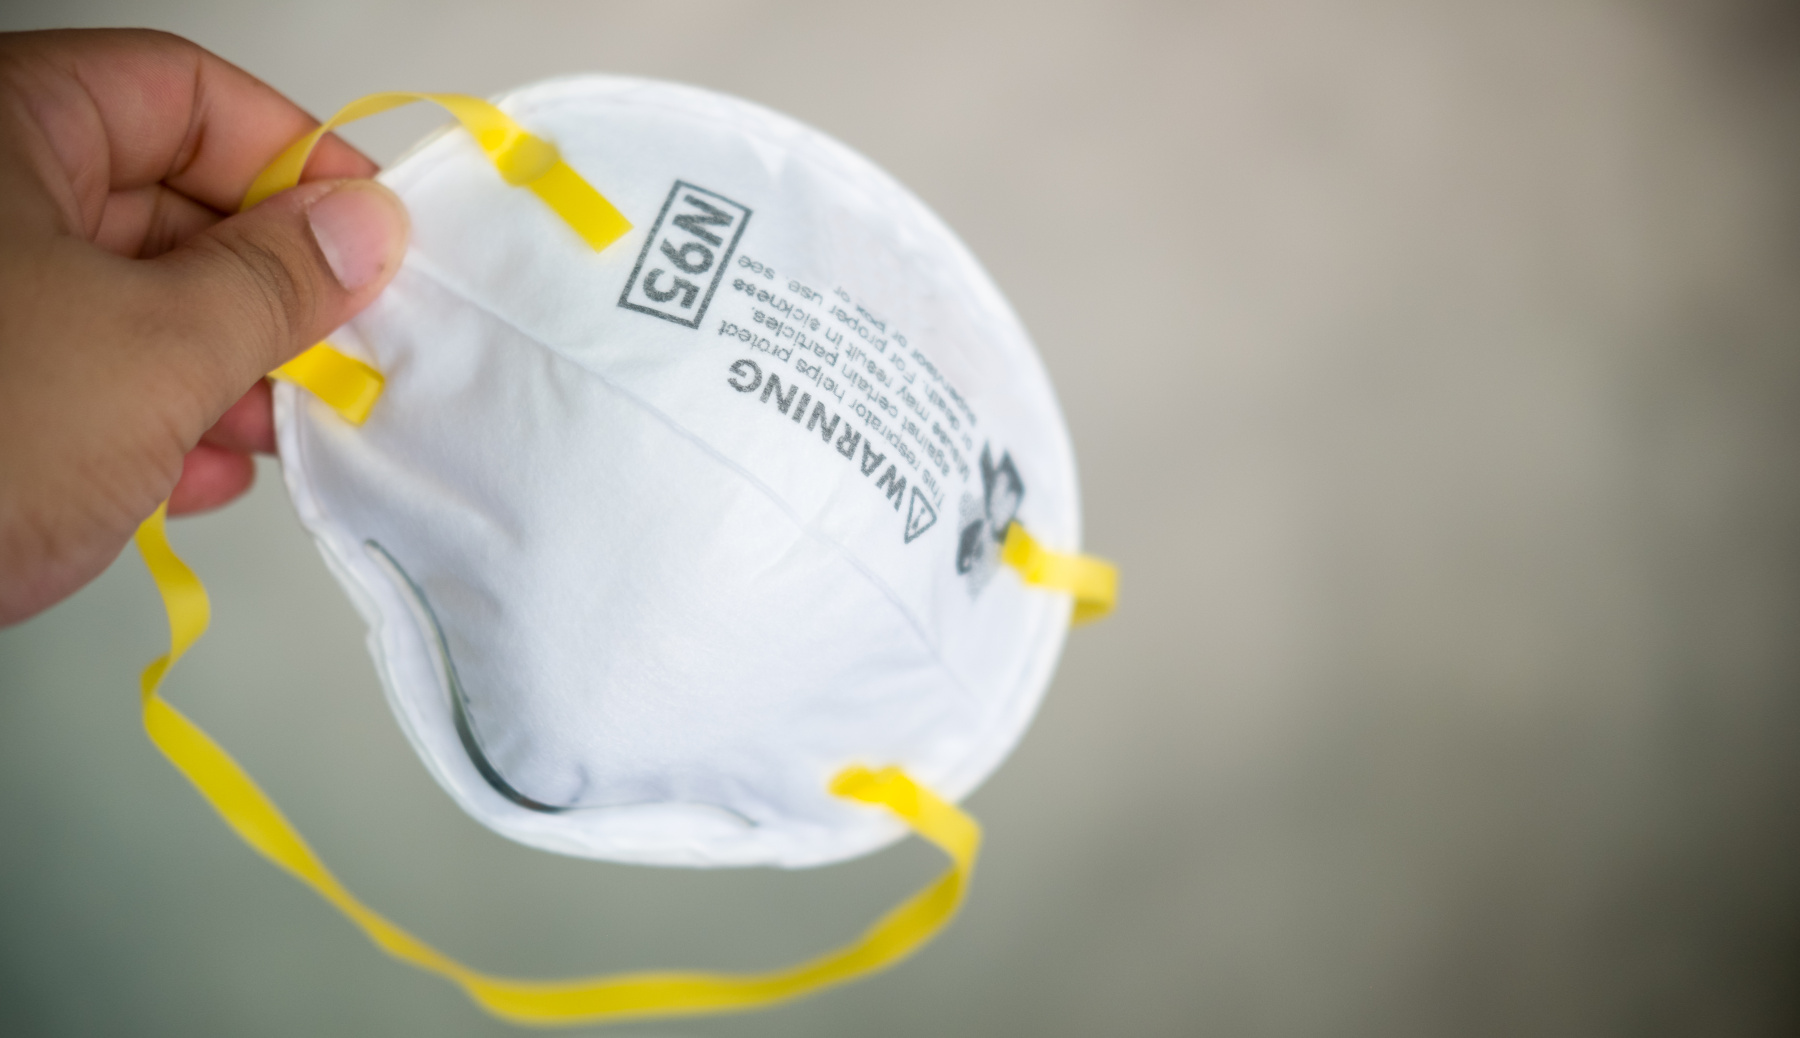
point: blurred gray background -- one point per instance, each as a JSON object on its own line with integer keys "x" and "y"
{"x": 1433, "y": 373}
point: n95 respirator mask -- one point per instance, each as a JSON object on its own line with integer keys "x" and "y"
{"x": 706, "y": 503}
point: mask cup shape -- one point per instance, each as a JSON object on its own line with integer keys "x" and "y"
{"x": 656, "y": 540}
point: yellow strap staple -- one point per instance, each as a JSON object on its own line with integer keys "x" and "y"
{"x": 1094, "y": 582}
{"x": 587, "y": 1000}
{"x": 523, "y": 160}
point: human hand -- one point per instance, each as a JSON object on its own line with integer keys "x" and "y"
{"x": 137, "y": 316}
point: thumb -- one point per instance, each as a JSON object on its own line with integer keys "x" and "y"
{"x": 259, "y": 287}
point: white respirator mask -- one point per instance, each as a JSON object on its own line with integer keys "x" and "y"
{"x": 706, "y": 502}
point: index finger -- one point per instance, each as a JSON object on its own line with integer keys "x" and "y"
{"x": 121, "y": 109}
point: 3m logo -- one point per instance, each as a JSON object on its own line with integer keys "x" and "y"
{"x": 984, "y": 521}
{"x": 685, "y": 255}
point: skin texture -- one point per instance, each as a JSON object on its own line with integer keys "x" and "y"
{"x": 137, "y": 315}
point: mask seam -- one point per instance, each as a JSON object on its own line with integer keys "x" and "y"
{"x": 425, "y": 268}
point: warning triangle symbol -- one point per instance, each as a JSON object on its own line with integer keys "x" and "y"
{"x": 919, "y": 515}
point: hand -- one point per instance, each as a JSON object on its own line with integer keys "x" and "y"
{"x": 137, "y": 316}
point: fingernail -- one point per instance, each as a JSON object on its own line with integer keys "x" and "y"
{"x": 361, "y": 228}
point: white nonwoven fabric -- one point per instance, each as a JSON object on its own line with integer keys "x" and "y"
{"x": 653, "y": 542}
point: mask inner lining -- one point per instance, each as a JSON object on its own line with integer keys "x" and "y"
{"x": 465, "y": 731}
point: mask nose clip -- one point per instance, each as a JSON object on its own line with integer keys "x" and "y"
{"x": 429, "y": 626}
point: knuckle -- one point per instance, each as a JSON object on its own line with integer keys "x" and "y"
{"x": 267, "y": 290}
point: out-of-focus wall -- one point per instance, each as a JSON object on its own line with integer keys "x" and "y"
{"x": 1433, "y": 371}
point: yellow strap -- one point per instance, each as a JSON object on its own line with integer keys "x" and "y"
{"x": 247, "y": 809}
{"x": 524, "y": 160}
{"x": 1094, "y": 582}
{"x": 347, "y": 384}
